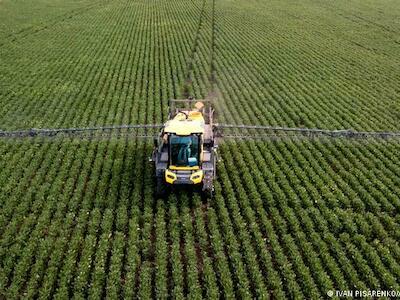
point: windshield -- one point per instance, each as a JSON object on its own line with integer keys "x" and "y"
{"x": 184, "y": 150}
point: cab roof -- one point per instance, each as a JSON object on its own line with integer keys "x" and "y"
{"x": 181, "y": 125}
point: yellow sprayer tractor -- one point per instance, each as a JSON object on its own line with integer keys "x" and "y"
{"x": 185, "y": 151}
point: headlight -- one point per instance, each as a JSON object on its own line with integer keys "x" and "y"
{"x": 197, "y": 177}
{"x": 170, "y": 177}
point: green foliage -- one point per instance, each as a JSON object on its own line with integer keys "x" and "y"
{"x": 291, "y": 218}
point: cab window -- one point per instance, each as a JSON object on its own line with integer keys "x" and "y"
{"x": 184, "y": 150}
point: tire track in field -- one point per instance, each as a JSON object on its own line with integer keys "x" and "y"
{"x": 187, "y": 89}
{"x": 212, "y": 76}
{"x": 245, "y": 113}
{"x": 238, "y": 280}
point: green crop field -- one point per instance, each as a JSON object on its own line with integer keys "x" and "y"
{"x": 292, "y": 217}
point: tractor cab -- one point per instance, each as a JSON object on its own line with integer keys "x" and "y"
{"x": 184, "y": 151}
{"x": 184, "y": 140}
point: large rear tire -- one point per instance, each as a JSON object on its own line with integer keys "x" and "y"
{"x": 161, "y": 188}
{"x": 208, "y": 192}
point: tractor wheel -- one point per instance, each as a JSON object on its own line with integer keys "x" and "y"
{"x": 161, "y": 188}
{"x": 208, "y": 191}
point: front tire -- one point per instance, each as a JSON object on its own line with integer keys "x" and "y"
{"x": 161, "y": 188}
{"x": 208, "y": 191}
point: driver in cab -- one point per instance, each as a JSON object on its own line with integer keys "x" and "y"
{"x": 184, "y": 153}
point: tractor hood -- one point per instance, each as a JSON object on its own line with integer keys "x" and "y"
{"x": 182, "y": 125}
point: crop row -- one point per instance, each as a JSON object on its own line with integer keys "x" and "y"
{"x": 87, "y": 224}
{"x": 124, "y": 56}
{"x": 285, "y": 78}
{"x": 105, "y": 75}
{"x": 289, "y": 210}
{"x": 291, "y": 218}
